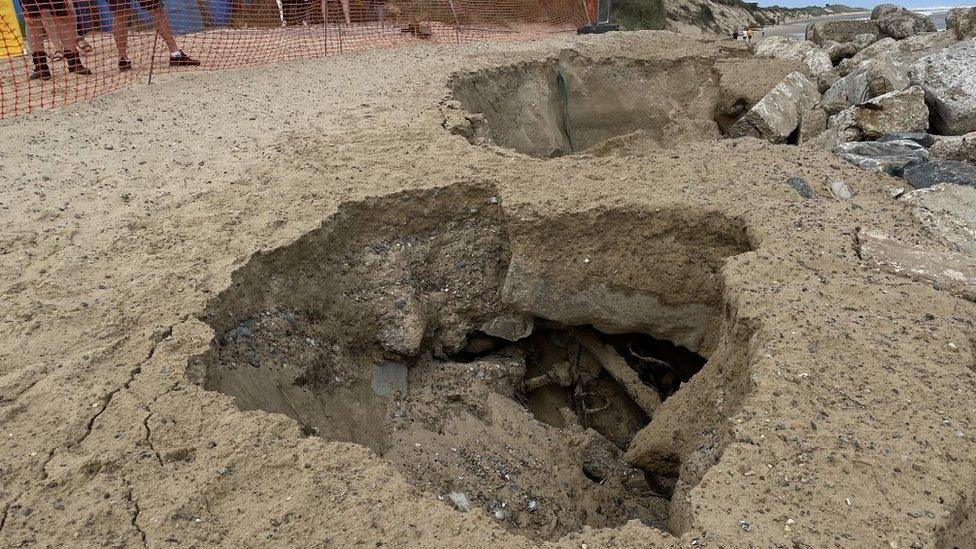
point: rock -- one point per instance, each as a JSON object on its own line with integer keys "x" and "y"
{"x": 962, "y": 22}
{"x": 949, "y": 81}
{"x": 932, "y": 173}
{"x": 904, "y": 51}
{"x": 825, "y": 80}
{"x": 903, "y": 23}
{"x": 948, "y": 213}
{"x": 840, "y": 190}
{"x": 897, "y": 111}
{"x": 510, "y": 327}
{"x": 599, "y": 457}
{"x": 924, "y": 139}
{"x": 812, "y": 123}
{"x": 962, "y": 147}
{"x": 460, "y": 500}
{"x": 881, "y": 10}
{"x": 801, "y": 186}
{"x": 945, "y": 270}
{"x": 890, "y": 157}
{"x": 872, "y": 78}
{"x": 777, "y": 115}
{"x": 839, "y": 31}
{"x": 784, "y": 47}
{"x": 479, "y": 344}
{"x": 389, "y": 377}
{"x": 843, "y": 50}
{"x": 404, "y": 335}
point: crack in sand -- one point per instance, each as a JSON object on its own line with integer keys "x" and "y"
{"x": 136, "y": 512}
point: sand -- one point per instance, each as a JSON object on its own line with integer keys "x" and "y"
{"x": 835, "y": 410}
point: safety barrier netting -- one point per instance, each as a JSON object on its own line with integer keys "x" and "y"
{"x": 57, "y": 52}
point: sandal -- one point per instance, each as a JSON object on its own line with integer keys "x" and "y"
{"x": 83, "y": 45}
{"x": 57, "y": 56}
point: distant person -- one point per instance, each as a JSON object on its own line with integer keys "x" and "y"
{"x": 748, "y": 35}
{"x": 735, "y": 35}
{"x": 122, "y": 13}
{"x": 64, "y": 29}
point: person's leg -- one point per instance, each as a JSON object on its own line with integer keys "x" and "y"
{"x": 35, "y": 39}
{"x": 345, "y": 11}
{"x": 176, "y": 56}
{"x": 65, "y": 28}
{"x": 120, "y": 30}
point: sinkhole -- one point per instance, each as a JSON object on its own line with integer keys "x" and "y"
{"x": 502, "y": 364}
{"x": 571, "y": 103}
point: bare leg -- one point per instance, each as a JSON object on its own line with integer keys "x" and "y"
{"x": 50, "y": 29}
{"x": 162, "y": 27}
{"x": 35, "y": 34}
{"x": 345, "y": 11}
{"x": 120, "y": 29}
{"x": 67, "y": 32}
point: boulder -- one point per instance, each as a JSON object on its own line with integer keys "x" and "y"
{"x": 881, "y": 10}
{"x": 777, "y": 115}
{"x": 839, "y": 31}
{"x": 839, "y": 51}
{"x": 949, "y": 81}
{"x": 904, "y": 23}
{"x": 872, "y": 78}
{"x": 906, "y": 51}
{"x": 947, "y": 213}
{"x": 924, "y": 139}
{"x": 961, "y": 147}
{"x": 898, "y": 111}
{"x": 945, "y": 270}
{"x": 785, "y": 47}
{"x": 812, "y": 123}
{"x": 890, "y": 157}
{"x": 928, "y": 174}
{"x": 962, "y": 22}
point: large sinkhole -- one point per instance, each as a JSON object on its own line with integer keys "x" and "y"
{"x": 503, "y": 364}
{"x": 572, "y": 103}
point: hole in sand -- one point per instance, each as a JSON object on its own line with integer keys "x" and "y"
{"x": 572, "y": 104}
{"x": 497, "y": 363}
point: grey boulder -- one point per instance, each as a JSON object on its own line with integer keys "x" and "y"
{"x": 785, "y": 47}
{"x": 903, "y": 23}
{"x": 948, "y": 213}
{"x": 872, "y": 78}
{"x": 842, "y": 50}
{"x": 890, "y": 157}
{"x": 961, "y": 147}
{"x": 928, "y": 174}
{"x": 898, "y": 111}
{"x": 777, "y": 115}
{"x": 881, "y": 10}
{"x": 962, "y": 22}
{"x": 949, "y": 81}
{"x": 839, "y": 31}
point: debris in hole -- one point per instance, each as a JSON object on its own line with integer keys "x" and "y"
{"x": 389, "y": 377}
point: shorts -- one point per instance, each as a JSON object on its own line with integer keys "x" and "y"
{"x": 116, "y": 6}
{"x": 33, "y": 8}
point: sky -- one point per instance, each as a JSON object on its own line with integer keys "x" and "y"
{"x": 868, "y": 4}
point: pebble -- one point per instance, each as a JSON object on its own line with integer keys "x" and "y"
{"x": 840, "y": 190}
{"x": 533, "y": 505}
{"x": 501, "y": 514}
{"x": 460, "y": 501}
{"x": 801, "y": 186}
{"x": 744, "y": 524}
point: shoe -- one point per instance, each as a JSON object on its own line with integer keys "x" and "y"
{"x": 125, "y": 65}
{"x": 183, "y": 60}
{"x": 41, "y": 73}
{"x": 74, "y": 64}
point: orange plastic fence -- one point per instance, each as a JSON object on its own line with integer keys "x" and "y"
{"x": 89, "y": 35}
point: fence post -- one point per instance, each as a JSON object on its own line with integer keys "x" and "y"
{"x": 457, "y": 24}
{"x": 325, "y": 22}
{"x": 152, "y": 59}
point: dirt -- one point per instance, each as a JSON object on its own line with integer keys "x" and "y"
{"x": 809, "y": 399}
